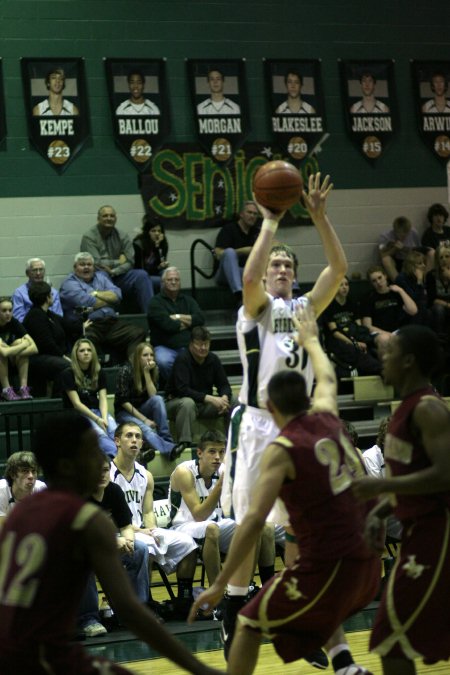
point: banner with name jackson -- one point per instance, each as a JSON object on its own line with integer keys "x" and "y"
{"x": 432, "y": 97}
{"x": 297, "y": 108}
{"x": 370, "y": 109}
{"x": 138, "y": 97}
{"x": 187, "y": 188}
{"x": 220, "y": 105}
{"x": 2, "y": 110}
{"x": 57, "y": 108}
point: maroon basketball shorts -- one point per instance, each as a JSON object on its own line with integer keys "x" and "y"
{"x": 413, "y": 619}
{"x": 300, "y": 608}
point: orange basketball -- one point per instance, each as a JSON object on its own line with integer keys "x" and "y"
{"x": 277, "y": 185}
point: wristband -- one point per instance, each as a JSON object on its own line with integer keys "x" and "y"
{"x": 270, "y": 225}
{"x": 177, "y": 316}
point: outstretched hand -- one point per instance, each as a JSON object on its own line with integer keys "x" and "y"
{"x": 316, "y": 197}
{"x": 207, "y": 600}
{"x": 304, "y": 320}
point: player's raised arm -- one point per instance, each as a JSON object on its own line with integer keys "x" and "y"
{"x": 328, "y": 282}
{"x": 253, "y": 292}
{"x": 325, "y": 392}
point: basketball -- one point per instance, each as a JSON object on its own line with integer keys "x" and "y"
{"x": 277, "y": 185}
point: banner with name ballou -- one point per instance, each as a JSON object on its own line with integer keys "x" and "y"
{"x": 432, "y": 98}
{"x": 187, "y": 188}
{"x": 220, "y": 105}
{"x": 2, "y": 110}
{"x": 370, "y": 108}
{"x": 57, "y": 107}
{"x": 139, "y": 104}
{"x": 297, "y": 106}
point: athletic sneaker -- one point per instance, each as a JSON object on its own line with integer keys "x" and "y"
{"x": 353, "y": 669}
{"x": 93, "y": 629}
{"x": 318, "y": 659}
{"x": 8, "y": 394}
{"x": 25, "y": 393}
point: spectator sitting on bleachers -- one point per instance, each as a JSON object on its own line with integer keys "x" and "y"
{"x": 233, "y": 245}
{"x": 84, "y": 388}
{"x": 171, "y": 550}
{"x": 48, "y": 332}
{"x": 133, "y": 554}
{"x": 35, "y": 271}
{"x": 137, "y": 402}
{"x": 171, "y": 316}
{"x": 20, "y": 481}
{"x": 412, "y": 280}
{"x": 347, "y": 341}
{"x": 90, "y": 293}
{"x": 394, "y": 245}
{"x": 113, "y": 254}
{"x": 194, "y": 495}
{"x": 437, "y": 233}
{"x": 386, "y": 307}
{"x": 150, "y": 250}
{"x": 438, "y": 289}
{"x": 189, "y": 391}
{"x": 16, "y": 347}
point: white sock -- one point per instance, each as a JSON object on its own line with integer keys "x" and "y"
{"x": 237, "y": 590}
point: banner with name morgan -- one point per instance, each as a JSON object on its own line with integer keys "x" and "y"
{"x": 138, "y": 96}
{"x": 57, "y": 107}
{"x": 2, "y": 110}
{"x": 297, "y": 108}
{"x": 370, "y": 110}
{"x": 220, "y": 105}
{"x": 432, "y": 96}
{"x": 187, "y": 188}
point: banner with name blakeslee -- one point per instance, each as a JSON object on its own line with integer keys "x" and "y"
{"x": 431, "y": 90}
{"x": 370, "y": 108}
{"x": 296, "y": 104}
{"x": 57, "y": 107}
{"x": 220, "y": 105}
{"x": 139, "y": 103}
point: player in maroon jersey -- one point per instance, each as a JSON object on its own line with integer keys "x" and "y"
{"x": 48, "y": 544}
{"x": 413, "y": 620}
{"x": 310, "y": 465}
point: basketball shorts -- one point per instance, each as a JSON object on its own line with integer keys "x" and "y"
{"x": 413, "y": 619}
{"x": 300, "y": 608}
{"x": 198, "y": 531}
{"x": 172, "y": 546}
{"x": 245, "y": 448}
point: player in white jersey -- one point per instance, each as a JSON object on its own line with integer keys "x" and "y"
{"x": 194, "y": 496}
{"x": 137, "y": 104}
{"x": 19, "y": 481}
{"x": 170, "y": 549}
{"x": 55, "y": 104}
{"x": 217, "y": 103}
{"x": 265, "y": 337}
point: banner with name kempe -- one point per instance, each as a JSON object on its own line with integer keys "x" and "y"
{"x": 432, "y": 96}
{"x": 57, "y": 107}
{"x": 2, "y": 110}
{"x": 297, "y": 108}
{"x": 139, "y": 103}
{"x": 370, "y": 108}
{"x": 220, "y": 105}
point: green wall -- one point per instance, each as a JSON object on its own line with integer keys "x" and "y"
{"x": 201, "y": 28}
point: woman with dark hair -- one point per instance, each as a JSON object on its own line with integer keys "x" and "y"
{"x": 48, "y": 332}
{"x": 136, "y": 401}
{"x": 84, "y": 388}
{"x": 16, "y": 347}
{"x": 151, "y": 249}
{"x": 412, "y": 280}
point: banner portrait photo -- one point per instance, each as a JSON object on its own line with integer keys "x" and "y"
{"x": 56, "y": 106}
{"x": 139, "y": 106}
{"x": 432, "y": 97}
